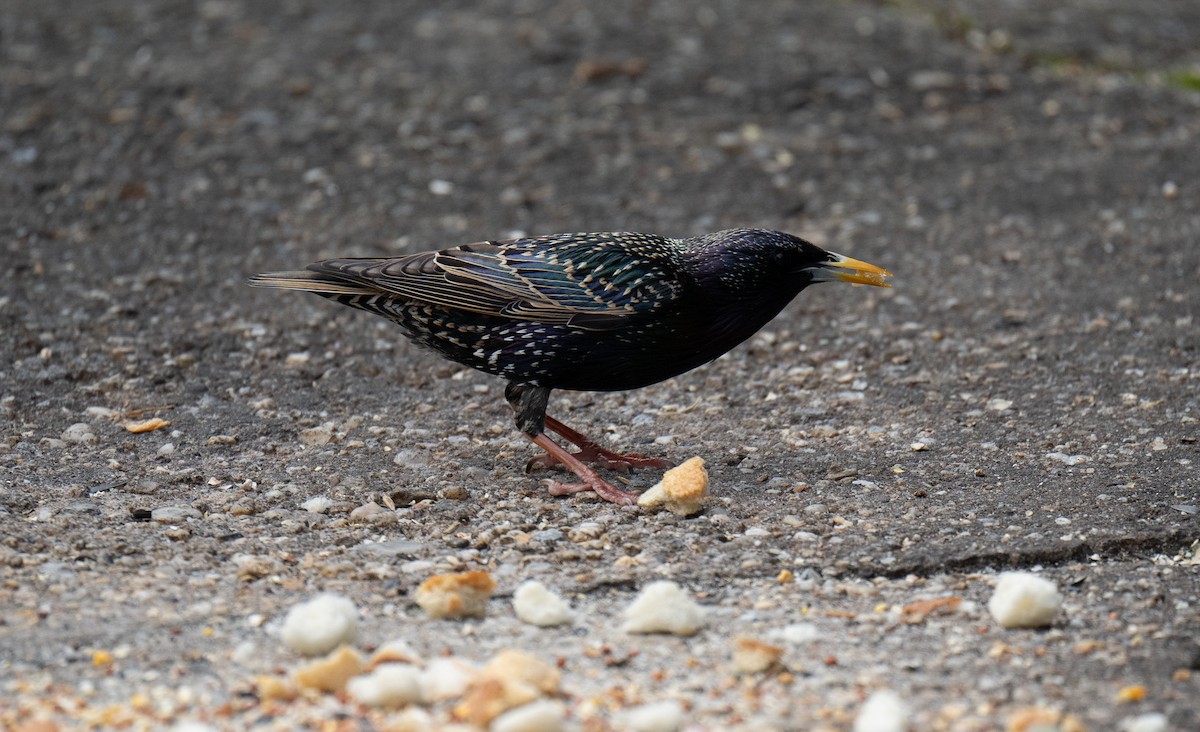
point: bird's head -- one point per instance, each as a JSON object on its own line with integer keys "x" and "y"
{"x": 751, "y": 264}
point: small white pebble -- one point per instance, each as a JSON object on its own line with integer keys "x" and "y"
{"x": 1066, "y": 459}
{"x": 663, "y": 607}
{"x": 371, "y": 512}
{"x": 389, "y": 685}
{"x": 318, "y": 626}
{"x": 174, "y": 514}
{"x": 1148, "y": 722}
{"x": 80, "y": 433}
{"x": 1024, "y": 600}
{"x": 168, "y": 448}
{"x": 316, "y": 436}
{"x": 445, "y": 678}
{"x": 317, "y": 504}
{"x": 536, "y": 605}
{"x": 315, "y": 175}
{"x": 796, "y": 633}
{"x": 440, "y": 187}
{"x": 660, "y": 716}
{"x": 883, "y": 711}
{"x": 542, "y": 715}
{"x": 245, "y": 654}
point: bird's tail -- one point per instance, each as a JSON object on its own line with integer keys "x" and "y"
{"x": 322, "y": 283}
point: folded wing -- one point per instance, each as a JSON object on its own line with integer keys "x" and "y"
{"x": 594, "y": 281}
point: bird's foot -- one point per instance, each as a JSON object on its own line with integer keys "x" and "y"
{"x": 590, "y": 480}
{"x": 605, "y": 490}
{"x": 591, "y": 452}
{"x": 623, "y": 462}
{"x": 607, "y": 459}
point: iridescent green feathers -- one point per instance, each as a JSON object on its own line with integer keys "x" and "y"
{"x": 590, "y": 281}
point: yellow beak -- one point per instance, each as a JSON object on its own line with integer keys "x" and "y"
{"x": 856, "y": 272}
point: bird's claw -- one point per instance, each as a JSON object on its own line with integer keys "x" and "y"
{"x": 603, "y": 458}
{"x": 540, "y": 461}
{"x": 604, "y": 490}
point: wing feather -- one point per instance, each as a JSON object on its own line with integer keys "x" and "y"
{"x": 594, "y": 281}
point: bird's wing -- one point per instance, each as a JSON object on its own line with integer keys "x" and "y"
{"x": 589, "y": 280}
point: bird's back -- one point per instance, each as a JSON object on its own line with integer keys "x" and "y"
{"x": 576, "y": 311}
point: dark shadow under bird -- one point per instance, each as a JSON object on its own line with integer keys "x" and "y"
{"x": 587, "y": 312}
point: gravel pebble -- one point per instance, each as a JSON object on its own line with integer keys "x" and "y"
{"x": 251, "y": 567}
{"x": 883, "y": 711}
{"x": 81, "y": 508}
{"x": 1148, "y": 722}
{"x": 796, "y": 633}
{"x": 174, "y": 514}
{"x": 373, "y": 513}
{"x": 143, "y": 487}
{"x": 316, "y": 436}
{"x": 390, "y": 548}
{"x": 1065, "y": 459}
{"x": 661, "y": 716}
{"x": 79, "y": 433}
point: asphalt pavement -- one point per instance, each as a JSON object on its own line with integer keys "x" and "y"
{"x": 1025, "y": 397}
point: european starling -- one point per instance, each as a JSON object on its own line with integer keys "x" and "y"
{"x": 588, "y": 312}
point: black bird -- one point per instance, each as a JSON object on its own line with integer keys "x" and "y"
{"x": 588, "y": 312}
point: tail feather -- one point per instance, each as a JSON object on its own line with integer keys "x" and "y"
{"x": 318, "y": 282}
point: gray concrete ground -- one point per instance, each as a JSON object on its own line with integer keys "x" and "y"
{"x": 1024, "y": 398}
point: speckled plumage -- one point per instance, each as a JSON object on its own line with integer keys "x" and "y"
{"x": 591, "y": 312}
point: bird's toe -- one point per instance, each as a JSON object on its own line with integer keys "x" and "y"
{"x": 604, "y": 490}
{"x": 540, "y": 462}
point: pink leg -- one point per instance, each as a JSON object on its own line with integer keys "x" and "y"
{"x": 590, "y": 452}
{"x": 591, "y": 480}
